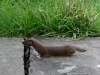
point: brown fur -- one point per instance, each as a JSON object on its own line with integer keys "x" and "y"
{"x": 46, "y": 51}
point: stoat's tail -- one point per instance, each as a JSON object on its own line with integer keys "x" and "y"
{"x": 80, "y": 49}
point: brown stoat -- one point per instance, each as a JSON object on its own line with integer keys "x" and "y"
{"x": 46, "y": 51}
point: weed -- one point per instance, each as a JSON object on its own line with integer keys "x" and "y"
{"x": 75, "y": 18}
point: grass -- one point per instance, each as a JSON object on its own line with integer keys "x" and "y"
{"x": 75, "y": 18}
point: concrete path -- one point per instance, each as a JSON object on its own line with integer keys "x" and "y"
{"x": 11, "y": 51}
{"x": 87, "y": 63}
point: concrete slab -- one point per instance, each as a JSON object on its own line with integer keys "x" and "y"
{"x": 87, "y": 63}
{"x": 11, "y": 51}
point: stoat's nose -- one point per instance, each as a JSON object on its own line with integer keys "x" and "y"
{"x": 23, "y": 42}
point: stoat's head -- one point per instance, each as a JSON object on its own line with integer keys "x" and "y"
{"x": 27, "y": 42}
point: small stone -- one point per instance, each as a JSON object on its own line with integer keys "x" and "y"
{"x": 98, "y": 66}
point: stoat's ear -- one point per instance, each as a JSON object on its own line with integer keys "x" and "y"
{"x": 30, "y": 42}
